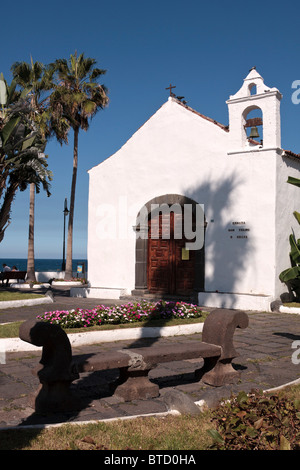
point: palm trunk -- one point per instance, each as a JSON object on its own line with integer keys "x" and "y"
{"x": 69, "y": 258}
{"x": 30, "y": 260}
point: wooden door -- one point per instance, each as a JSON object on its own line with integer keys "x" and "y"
{"x": 171, "y": 269}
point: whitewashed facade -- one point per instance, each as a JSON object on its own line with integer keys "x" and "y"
{"x": 181, "y": 156}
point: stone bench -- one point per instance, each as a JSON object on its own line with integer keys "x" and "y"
{"x": 58, "y": 369}
{"x": 9, "y": 275}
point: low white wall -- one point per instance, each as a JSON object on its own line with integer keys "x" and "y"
{"x": 97, "y": 292}
{"x": 44, "y": 276}
{"x": 261, "y": 303}
{"x": 25, "y": 302}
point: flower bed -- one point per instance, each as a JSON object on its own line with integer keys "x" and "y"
{"x": 130, "y": 312}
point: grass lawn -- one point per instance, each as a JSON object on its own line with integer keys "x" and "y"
{"x": 292, "y": 304}
{"x": 9, "y": 296}
{"x": 153, "y": 433}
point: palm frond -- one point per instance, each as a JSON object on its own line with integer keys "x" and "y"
{"x": 77, "y": 94}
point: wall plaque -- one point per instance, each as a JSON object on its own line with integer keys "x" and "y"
{"x": 239, "y": 226}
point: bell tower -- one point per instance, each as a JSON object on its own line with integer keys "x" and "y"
{"x": 254, "y": 116}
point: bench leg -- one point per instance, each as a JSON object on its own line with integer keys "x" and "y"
{"x": 217, "y": 372}
{"x": 135, "y": 385}
{"x": 55, "y": 371}
{"x": 218, "y": 329}
{"x": 53, "y": 397}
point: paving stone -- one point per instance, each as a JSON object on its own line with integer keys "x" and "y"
{"x": 141, "y": 407}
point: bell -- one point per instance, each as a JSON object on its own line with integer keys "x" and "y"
{"x": 254, "y": 133}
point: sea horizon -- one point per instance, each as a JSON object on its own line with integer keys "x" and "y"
{"x": 42, "y": 264}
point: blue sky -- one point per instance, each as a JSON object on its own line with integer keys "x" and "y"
{"x": 204, "y": 48}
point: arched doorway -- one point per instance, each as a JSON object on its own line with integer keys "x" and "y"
{"x": 163, "y": 264}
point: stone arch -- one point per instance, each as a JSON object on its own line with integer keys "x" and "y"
{"x": 141, "y": 252}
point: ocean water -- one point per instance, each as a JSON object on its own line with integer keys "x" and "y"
{"x": 41, "y": 265}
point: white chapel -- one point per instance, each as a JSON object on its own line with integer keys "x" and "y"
{"x": 144, "y": 200}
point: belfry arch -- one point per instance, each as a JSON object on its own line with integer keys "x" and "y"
{"x": 252, "y": 118}
{"x": 182, "y": 272}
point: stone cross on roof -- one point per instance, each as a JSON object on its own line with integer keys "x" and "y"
{"x": 170, "y": 88}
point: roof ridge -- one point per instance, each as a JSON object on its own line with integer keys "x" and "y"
{"x": 213, "y": 121}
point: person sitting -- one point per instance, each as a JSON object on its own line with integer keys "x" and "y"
{"x": 5, "y": 270}
{"x": 14, "y": 268}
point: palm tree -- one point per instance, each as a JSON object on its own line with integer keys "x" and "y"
{"x": 22, "y": 161}
{"x": 76, "y": 98}
{"x": 34, "y": 79}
